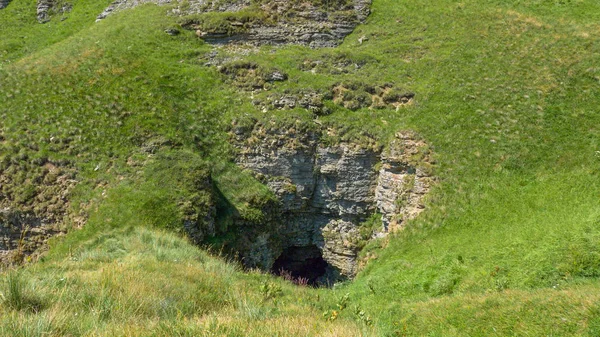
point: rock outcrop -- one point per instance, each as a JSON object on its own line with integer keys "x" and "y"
{"x": 45, "y": 8}
{"x": 4, "y": 3}
{"x": 276, "y": 22}
{"x": 119, "y": 5}
{"x": 402, "y": 182}
{"x": 327, "y": 191}
{"x": 296, "y": 23}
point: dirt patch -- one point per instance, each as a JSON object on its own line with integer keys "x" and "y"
{"x": 34, "y": 203}
{"x": 250, "y": 76}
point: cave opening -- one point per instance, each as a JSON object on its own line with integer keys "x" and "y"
{"x": 302, "y": 265}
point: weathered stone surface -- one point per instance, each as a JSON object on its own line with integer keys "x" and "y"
{"x": 43, "y": 9}
{"x": 4, "y": 3}
{"x": 299, "y": 23}
{"x": 46, "y": 7}
{"x": 126, "y": 4}
{"x": 345, "y": 180}
{"x": 402, "y": 182}
{"x": 203, "y": 6}
{"x": 355, "y": 95}
{"x": 340, "y": 248}
{"x": 326, "y": 192}
{"x": 251, "y": 76}
{"x": 190, "y": 7}
{"x": 289, "y": 22}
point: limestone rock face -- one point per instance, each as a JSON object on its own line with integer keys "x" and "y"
{"x": 345, "y": 180}
{"x": 402, "y": 183}
{"x": 327, "y": 191}
{"x": 340, "y": 247}
{"x": 46, "y": 7}
{"x": 4, "y": 3}
{"x": 289, "y": 22}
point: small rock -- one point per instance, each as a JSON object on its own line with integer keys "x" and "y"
{"x": 277, "y": 76}
{"x": 172, "y": 31}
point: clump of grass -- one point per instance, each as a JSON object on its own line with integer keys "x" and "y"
{"x": 16, "y": 296}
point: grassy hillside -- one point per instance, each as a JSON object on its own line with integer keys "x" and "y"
{"x": 506, "y": 94}
{"x": 138, "y": 282}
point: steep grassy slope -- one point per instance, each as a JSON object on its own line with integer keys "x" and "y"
{"x": 137, "y": 282}
{"x": 506, "y": 93}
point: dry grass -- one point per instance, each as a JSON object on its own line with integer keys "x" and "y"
{"x": 141, "y": 282}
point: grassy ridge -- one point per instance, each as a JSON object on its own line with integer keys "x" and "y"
{"x": 136, "y": 282}
{"x": 506, "y": 93}
{"x": 22, "y": 35}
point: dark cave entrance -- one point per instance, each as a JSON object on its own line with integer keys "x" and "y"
{"x": 302, "y": 265}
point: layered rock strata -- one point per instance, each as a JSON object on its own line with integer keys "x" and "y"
{"x": 297, "y": 23}
{"x": 327, "y": 191}
{"x": 43, "y": 9}
{"x": 404, "y": 179}
{"x": 281, "y": 22}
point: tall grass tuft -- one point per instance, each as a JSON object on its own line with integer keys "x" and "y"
{"x": 15, "y": 295}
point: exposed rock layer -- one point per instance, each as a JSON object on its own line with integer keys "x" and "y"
{"x": 4, "y": 3}
{"x": 327, "y": 191}
{"x": 45, "y": 8}
{"x": 298, "y": 23}
{"x": 282, "y": 22}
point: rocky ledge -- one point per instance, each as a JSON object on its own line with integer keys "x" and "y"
{"x": 276, "y": 22}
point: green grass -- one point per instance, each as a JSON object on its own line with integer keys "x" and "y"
{"x": 138, "y": 282}
{"x": 15, "y": 296}
{"x": 506, "y": 94}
